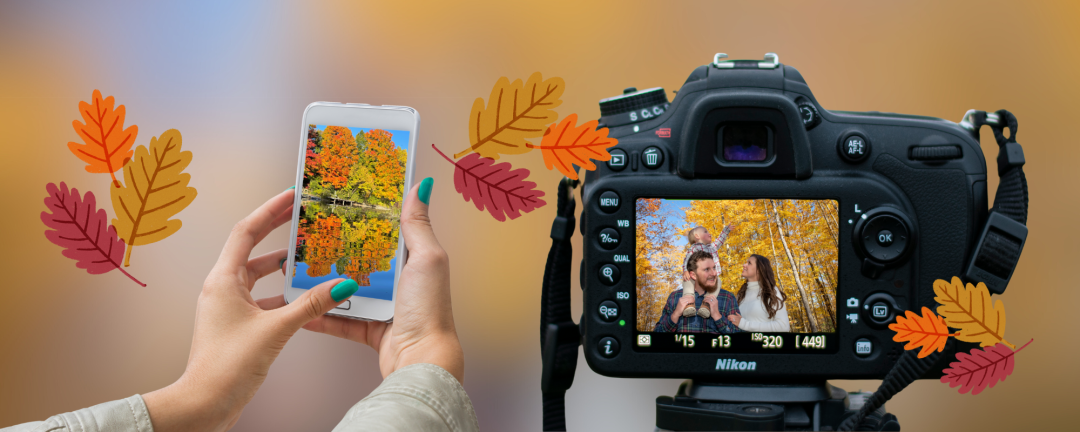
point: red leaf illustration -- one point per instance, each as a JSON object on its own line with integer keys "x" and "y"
{"x": 83, "y": 230}
{"x": 981, "y": 368}
{"x": 499, "y": 188}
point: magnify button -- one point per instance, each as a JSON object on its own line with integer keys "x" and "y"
{"x": 609, "y": 274}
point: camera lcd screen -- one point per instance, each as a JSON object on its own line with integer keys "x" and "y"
{"x": 350, "y": 208}
{"x": 757, "y": 275}
{"x": 745, "y": 142}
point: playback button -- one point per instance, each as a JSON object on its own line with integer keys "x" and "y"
{"x": 618, "y": 160}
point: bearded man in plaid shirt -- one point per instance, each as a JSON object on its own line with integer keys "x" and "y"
{"x": 703, "y": 272}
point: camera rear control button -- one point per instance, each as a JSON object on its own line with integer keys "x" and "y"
{"x": 618, "y": 160}
{"x": 879, "y": 311}
{"x": 609, "y": 201}
{"x": 609, "y": 311}
{"x": 854, "y": 147}
{"x": 652, "y": 158}
{"x": 809, "y": 115}
{"x": 609, "y": 274}
{"x": 885, "y": 238}
{"x": 608, "y": 347}
{"x": 863, "y": 347}
{"x": 609, "y": 238}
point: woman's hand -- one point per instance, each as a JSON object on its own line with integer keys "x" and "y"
{"x": 235, "y": 340}
{"x": 423, "y": 328}
{"x": 735, "y": 318}
{"x": 685, "y": 275}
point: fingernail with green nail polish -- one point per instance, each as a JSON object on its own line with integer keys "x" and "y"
{"x": 344, "y": 290}
{"x": 291, "y": 187}
{"x": 425, "y": 190}
{"x": 282, "y": 262}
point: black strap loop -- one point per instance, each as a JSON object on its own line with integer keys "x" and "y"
{"x": 559, "y": 336}
{"x": 998, "y": 248}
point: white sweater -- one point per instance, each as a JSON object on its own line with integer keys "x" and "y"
{"x": 754, "y": 316}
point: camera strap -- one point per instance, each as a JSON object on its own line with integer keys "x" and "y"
{"x": 559, "y": 336}
{"x": 1002, "y": 240}
{"x": 992, "y": 261}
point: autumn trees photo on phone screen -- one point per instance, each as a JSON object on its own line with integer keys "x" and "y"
{"x": 799, "y": 237}
{"x": 352, "y": 190}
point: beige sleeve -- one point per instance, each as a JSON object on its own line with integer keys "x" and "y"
{"x": 420, "y": 397}
{"x": 120, "y": 415}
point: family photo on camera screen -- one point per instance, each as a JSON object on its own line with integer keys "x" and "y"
{"x": 350, "y": 207}
{"x": 729, "y": 266}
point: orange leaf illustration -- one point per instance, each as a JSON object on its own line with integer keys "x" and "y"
{"x": 515, "y": 111}
{"x": 971, "y": 310}
{"x": 927, "y": 331}
{"x": 106, "y": 144}
{"x": 565, "y": 145}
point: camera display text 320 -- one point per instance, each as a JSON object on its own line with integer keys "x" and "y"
{"x": 756, "y": 275}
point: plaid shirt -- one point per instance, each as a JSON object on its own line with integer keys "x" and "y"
{"x": 726, "y": 303}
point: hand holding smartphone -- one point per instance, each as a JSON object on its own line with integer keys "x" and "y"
{"x": 355, "y": 166}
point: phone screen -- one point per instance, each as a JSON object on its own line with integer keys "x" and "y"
{"x": 350, "y": 208}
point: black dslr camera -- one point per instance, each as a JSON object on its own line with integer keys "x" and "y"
{"x": 855, "y": 214}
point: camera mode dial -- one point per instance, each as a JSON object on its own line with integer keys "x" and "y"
{"x": 633, "y": 106}
{"x": 884, "y": 237}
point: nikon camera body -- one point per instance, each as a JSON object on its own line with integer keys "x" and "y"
{"x": 857, "y": 212}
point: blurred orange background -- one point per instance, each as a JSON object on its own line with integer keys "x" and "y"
{"x": 234, "y": 78}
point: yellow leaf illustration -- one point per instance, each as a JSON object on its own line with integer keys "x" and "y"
{"x": 971, "y": 310}
{"x": 514, "y": 112}
{"x": 154, "y": 190}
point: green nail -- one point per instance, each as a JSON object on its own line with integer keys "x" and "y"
{"x": 282, "y": 262}
{"x": 291, "y": 187}
{"x": 425, "y": 190}
{"x": 344, "y": 290}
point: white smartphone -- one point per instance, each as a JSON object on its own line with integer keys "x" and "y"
{"x": 355, "y": 167}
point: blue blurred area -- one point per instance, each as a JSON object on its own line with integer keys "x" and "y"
{"x": 382, "y": 283}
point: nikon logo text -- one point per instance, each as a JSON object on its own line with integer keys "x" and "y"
{"x": 735, "y": 365}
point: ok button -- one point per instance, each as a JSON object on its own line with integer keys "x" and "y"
{"x": 884, "y": 238}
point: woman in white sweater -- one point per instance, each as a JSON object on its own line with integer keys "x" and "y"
{"x": 761, "y": 302}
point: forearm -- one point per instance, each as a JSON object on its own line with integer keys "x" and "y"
{"x": 174, "y": 409}
{"x": 443, "y": 351}
{"x": 417, "y": 397}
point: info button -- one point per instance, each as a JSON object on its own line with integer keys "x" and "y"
{"x": 863, "y": 347}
